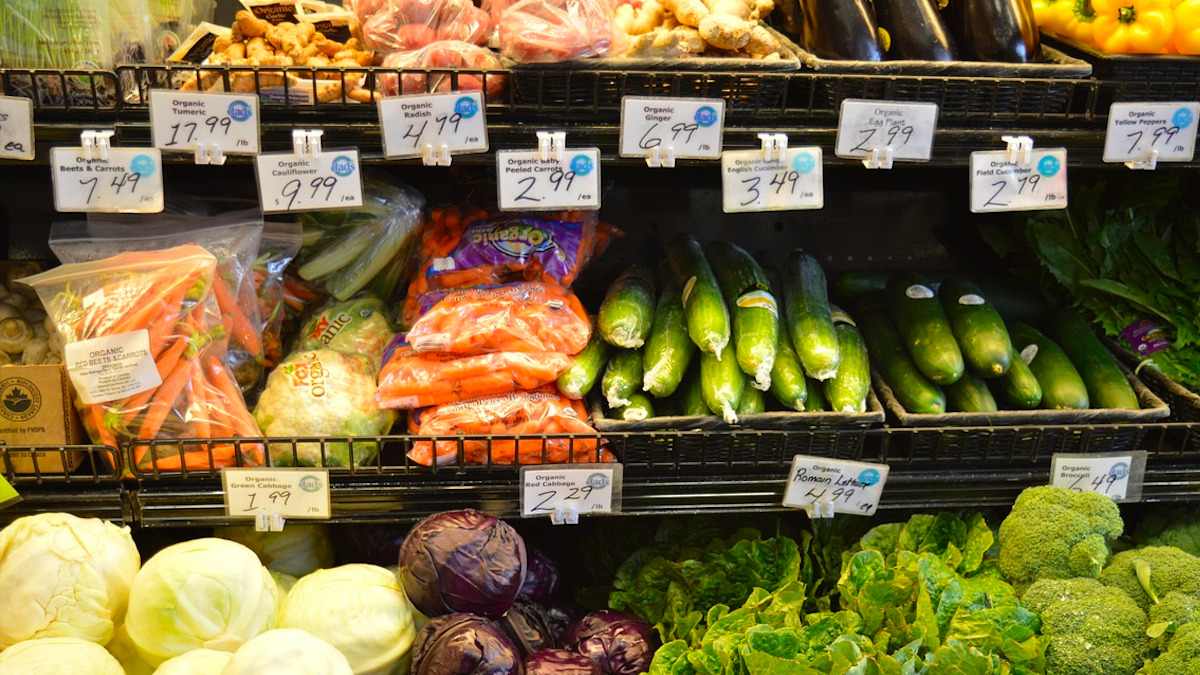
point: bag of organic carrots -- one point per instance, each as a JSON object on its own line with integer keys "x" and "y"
{"x": 143, "y": 345}
{"x": 279, "y": 246}
{"x": 540, "y": 412}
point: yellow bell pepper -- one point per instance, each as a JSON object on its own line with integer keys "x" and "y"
{"x": 1073, "y": 19}
{"x": 1187, "y": 27}
{"x": 1132, "y": 26}
{"x": 1041, "y": 11}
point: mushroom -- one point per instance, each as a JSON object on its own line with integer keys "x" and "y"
{"x": 5, "y": 359}
{"x": 20, "y": 270}
{"x": 36, "y": 351}
{"x": 21, "y": 302}
{"x": 15, "y": 333}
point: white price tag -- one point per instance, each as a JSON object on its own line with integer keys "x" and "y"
{"x": 1140, "y": 132}
{"x": 224, "y": 123}
{"x": 16, "y": 128}
{"x": 330, "y": 180}
{"x": 906, "y": 128}
{"x": 750, "y": 182}
{"x": 290, "y": 493}
{"x": 685, "y": 128}
{"x": 526, "y": 181}
{"x": 998, "y": 184}
{"x": 835, "y": 485}
{"x": 129, "y": 181}
{"x": 410, "y": 124}
{"x": 1115, "y": 474}
{"x": 565, "y": 491}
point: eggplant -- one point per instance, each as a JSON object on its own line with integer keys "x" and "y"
{"x": 916, "y": 30}
{"x": 841, "y": 29}
{"x": 994, "y": 30}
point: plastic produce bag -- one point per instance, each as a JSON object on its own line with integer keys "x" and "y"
{"x": 280, "y": 244}
{"x": 357, "y": 326}
{"x": 538, "y": 412}
{"x": 390, "y": 26}
{"x": 144, "y": 347}
{"x": 550, "y": 31}
{"x": 443, "y": 55}
{"x": 55, "y": 34}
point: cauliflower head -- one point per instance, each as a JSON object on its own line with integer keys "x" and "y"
{"x": 1092, "y": 628}
{"x": 1054, "y": 533}
{"x": 1146, "y": 574}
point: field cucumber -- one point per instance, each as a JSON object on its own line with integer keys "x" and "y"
{"x": 909, "y": 385}
{"x": 809, "y": 320}
{"x": 639, "y": 408}
{"x": 977, "y": 327}
{"x": 1018, "y": 388}
{"x": 627, "y": 312}
{"x": 1062, "y": 386}
{"x": 970, "y": 394}
{"x": 1106, "y": 384}
{"x": 579, "y": 378}
{"x": 707, "y": 316}
{"x": 622, "y": 377}
{"x": 752, "y": 402}
{"x": 924, "y": 328}
{"x": 816, "y": 401}
{"x": 668, "y": 351}
{"x": 691, "y": 396}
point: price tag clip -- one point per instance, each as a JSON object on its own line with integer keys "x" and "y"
{"x": 822, "y": 508}
{"x": 1148, "y": 164}
{"x": 879, "y": 158}
{"x": 306, "y": 143}
{"x": 210, "y": 154}
{"x": 95, "y": 142}
{"x": 551, "y": 145}
{"x": 657, "y": 157}
{"x": 1019, "y": 150}
{"x": 565, "y": 515}
{"x": 774, "y": 146}
{"x": 268, "y": 522}
{"x": 439, "y": 156}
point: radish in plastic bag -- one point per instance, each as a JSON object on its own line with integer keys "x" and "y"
{"x": 390, "y": 26}
{"x": 448, "y": 55}
{"x": 549, "y": 31}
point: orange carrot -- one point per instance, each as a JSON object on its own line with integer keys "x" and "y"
{"x": 163, "y": 401}
{"x": 236, "y": 322}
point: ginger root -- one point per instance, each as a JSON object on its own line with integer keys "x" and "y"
{"x": 725, "y": 32}
{"x": 660, "y": 43}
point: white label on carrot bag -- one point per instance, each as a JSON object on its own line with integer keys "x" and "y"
{"x": 112, "y": 367}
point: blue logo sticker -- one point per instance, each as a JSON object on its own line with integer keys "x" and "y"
{"x": 465, "y": 107}
{"x": 1182, "y": 118}
{"x": 868, "y": 477}
{"x": 706, "y": 116}
{"x": 143, "y": 165}
{"x": 597, "y": 481}
{"x": 239, "y": 111}
{"x": 582, "y": 165}
{"x": 310, "y": 483}
{"x": 804, "y": 163}
{"x": 342, "y": 166}
{"x": 1049, "y": 166}
{"x": 1119, "y": 471}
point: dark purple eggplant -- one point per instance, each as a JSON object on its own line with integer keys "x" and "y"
{"x": 841, "y": 29}
{"x": 994, "y": 30}
{"x": 916, "y": 30}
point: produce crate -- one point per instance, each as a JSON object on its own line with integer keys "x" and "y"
{"x": 1184, "y": 403}
{"x": 1136, "y": 77}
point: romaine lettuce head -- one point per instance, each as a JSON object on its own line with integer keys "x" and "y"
{"x": 360, "y": 610}
{"x": 298, "y": 549}
{"x": 64, "y": 576}
{"x": 196, "y": 662}
{"x": 287, "y": 651}
{"x": 58, "y": 655}
{"x": 207, "y": 592}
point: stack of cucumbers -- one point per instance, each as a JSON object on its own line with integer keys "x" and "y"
{"x": 944, "y": 347}
{"x": 707, "y": 336}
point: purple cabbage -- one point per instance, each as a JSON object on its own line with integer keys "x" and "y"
{"x": 541, "y": 578}
{"x": 464, "y": 644}
{"x": 561, "y": 615}
{"x": 529, "y": 627}
{"x": 462, "y": 561}
{"x": 559, "y": 662}
{"x": 617, "y": 643}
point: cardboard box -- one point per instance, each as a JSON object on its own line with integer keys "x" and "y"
{"x": 36, "y": 409}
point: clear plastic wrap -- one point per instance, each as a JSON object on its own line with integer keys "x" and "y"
{"x": 443, "y": 54}
{"x": 550, "y": 31}
{"x": 55, "y": 34}
{"x": 356, "y": 326}
{"x": 280, "y": 244}
{"x": 390, "y": 26}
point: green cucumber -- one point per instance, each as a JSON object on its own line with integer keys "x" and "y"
{"x": 1017, "y": 387}
{"x": 911, "y": 388}
{"x": 755, "y": 311}
{"x": 622, "y": 377}
{"x": 752, "y": 402}
{"x": 977, "y": 326}
{"x": 639, "y": 408}
{"x": 788, "y": 384}
{"x": 970, "y": 394}
{"x": 723, "y": 383}
{"x": 1062, "y": 386}
{"x": 852, "y": 287}
{"x": 809, "y": 320}
{"x": 692, "y": 395}
{"x": 579, "y": 378}
{"x": 707, "y": 316}
{"x": 628, "y": 309}
{"x": 668, "y": 351}
{"x": 847, "y": 391}
{"x": 1106, "y": 384}
{"x": 924, "y": 328}
{"x": 816, "y": 401}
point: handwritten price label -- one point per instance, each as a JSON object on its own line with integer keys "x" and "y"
{"x": 1117, "y": 475}
{"x": 1137, "y": 130}
{"x": 331, "y": 180}
{"x": 291, "y": 493}
{"x": 410, "y": 123}
{"x": 16, "y": 128}
{"x": 752, "y": 183}
{"x": 129, "y": 181}
{"x": 527, "y": 182}
{"x": 851, "y": 487}
{"x": 906, "y": 128}
{"x": 691, "y": 127}
{"x": 181, "y": 121}
{"x": 586, "y": 488}
{"x": 1000, "y": 185}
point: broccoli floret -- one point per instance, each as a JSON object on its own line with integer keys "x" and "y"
{"x": 1182, "y": 656}
{"x": 1175, "y": 609}
{"x": 1054, "y": 533}
{"x": 1092, "y": 628}
{"x": 1148, "y": 573}
{"x": 1178, "y": 527}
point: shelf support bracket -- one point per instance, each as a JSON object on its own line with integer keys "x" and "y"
{"x": 268, "y": 522}
{"x": 210, "y": 154}
{"x": 436, "y": 156}
{"x": 567, "y": 516}
{"x": 879, "y": 158}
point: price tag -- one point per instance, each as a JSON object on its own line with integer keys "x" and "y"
{"x": 849, "y": 487}
{"x": 129, "y": 181}
{"x": 290, "y": 493}
{"x": 691, "y": 127}
{"x": 906, "y": 128}
{"x": 1139, "y": 132}
{"x": 182, "y": 121}
{"x": 565, "y": 491}
{"x": 412, "y": 123}
{"x": 750, "y": 182}
{"x": 330, "y": 180}
{"x": 16, "y": 128}
{"x": 8, "y": 493}
{"x": 527, "y": 181}
{"x": 1117, "y": 475}
{"x": 1000, "y": 185}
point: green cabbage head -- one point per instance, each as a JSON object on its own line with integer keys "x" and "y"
{"x": 287, "y": 651}
{"x": 296, "y": 550}
{"x": 196, "y": 662}
{"x": 57, "y": 655}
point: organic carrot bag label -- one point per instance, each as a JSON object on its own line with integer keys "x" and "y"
{"x": 111, "y": 367}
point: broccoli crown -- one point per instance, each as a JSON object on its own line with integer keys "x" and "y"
{"x": 1148, "y": 573}
{"x": 1176, "y": 609}
{"x": 1092, "y": 628}
{"x": 1178, "y": 527}
{"x": 1054, "y": 533}
{"x": 1183, "y": 653}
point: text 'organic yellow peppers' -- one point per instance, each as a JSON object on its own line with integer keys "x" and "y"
{"x": 1133, "y": 26}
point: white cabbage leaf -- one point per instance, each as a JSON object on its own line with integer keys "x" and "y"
{"x": 57, "y": 656}
{"x": 287, "y": 651}
{"x": 196, "y": 662}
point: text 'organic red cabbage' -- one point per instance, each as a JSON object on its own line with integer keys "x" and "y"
{"x": 617, "y": 643}
{"x": 463, "y": 644}
{"x": 559, "y": 662}
{"x": 462, "y": 561}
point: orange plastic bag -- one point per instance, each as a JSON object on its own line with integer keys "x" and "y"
{"x": 413, "y": 380}
{"x": 525, "y": 317}
{"x": 539, "y": 412}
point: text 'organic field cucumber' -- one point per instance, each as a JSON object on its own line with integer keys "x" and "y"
{"x": 809, "y": 319}
{"x": 924, "y": 328}
{"x": 707, "y": 316}
{"x": 755, "y": 310}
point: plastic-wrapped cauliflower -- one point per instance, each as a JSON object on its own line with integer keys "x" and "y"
{"x": 322, "y": 393}
{"x": 356, "y": 326}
